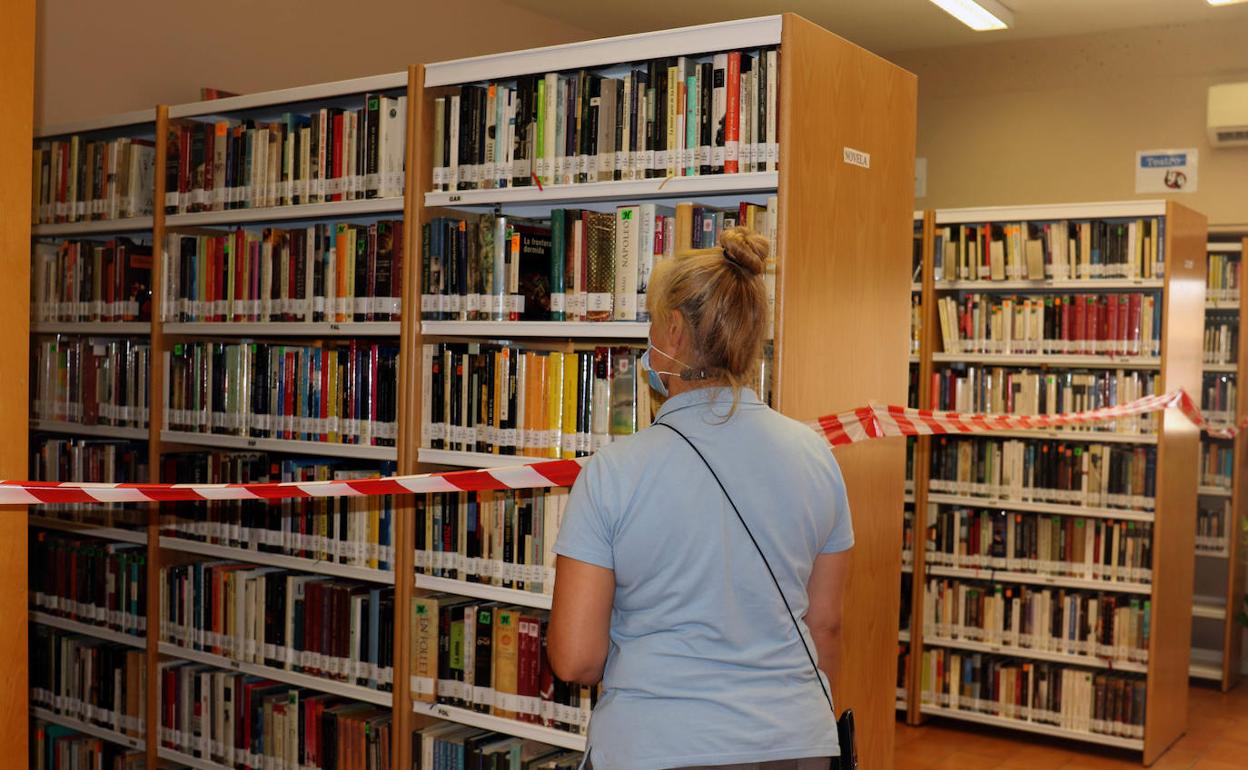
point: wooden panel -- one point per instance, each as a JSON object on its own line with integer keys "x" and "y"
{"x": 844, "y": 244}
{"x": 409, "y": 413}
{"x": 1174, "y": 530}
{"x": 17, "y": 93}
{"x": 1233, "y": 632}
{"x": 922, "y": 470}
{"x": 156, "y": 413}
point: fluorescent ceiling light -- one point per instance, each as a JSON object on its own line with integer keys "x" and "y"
{"x": 982, "y": 15}
{"x": 1225, "y": 2}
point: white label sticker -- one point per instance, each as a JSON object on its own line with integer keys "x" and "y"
{"x": 856, "y": 157}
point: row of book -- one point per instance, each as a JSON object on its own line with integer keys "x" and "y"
{"x": 1217, "y": 465}
{"x": 54, "y": 747}
{"x": 336, "y": 392}
{"x": 1040, "y": 693}
{"x": 90, "y": 380}
{"x": 1211, "y": 529}
{"x": 1095, "y": 625}
{"x": 497, "y": 538}
{"x": 577, "y": 265}
{"x": 1015, "y": 390}
{"x": 1062, "y": 250}
{"x": 80, "y": 180}
{"x": 81, "y": 280}
{"x": 448, "y": 746}
{"x": 327, "y": 154}
{"x": 1221, "y": 344}
{"x": 1223, "y": 279}
{"x": 916, "y": 323}
{"x": 356, "y": 531}
{"x": 1061, "y": 546}
{"x": 241, "y": 721}
{"x": 492, "y": 659}
{"x": 499, "y": 399}
{"x": 323, "y": 272}
{"x": 1080, "y": 324}
{"x": 93, "y": 681}
{"x": 89, "y": 581}
{"x": 1109, "y": 475}
{"x": 679, "y": 116}
{"x": 55, "y": 458}
{"x": 1218, "y": 397}
{"x": 335, "y": 629}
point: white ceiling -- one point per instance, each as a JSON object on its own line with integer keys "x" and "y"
{"x": 887, "y": 26}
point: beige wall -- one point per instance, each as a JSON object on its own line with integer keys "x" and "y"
{"x": 1059, "y": 120}
{"x": 96, "y": 57}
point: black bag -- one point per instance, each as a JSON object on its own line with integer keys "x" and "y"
{"x": 848, "y": 759}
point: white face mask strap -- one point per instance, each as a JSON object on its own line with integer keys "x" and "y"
{"x": 689, "y": 372}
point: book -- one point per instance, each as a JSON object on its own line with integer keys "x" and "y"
{"x": 87, "y": 679}
{"x": 90, "y": 381}
{"x": 73, "y": 280}
{"x": 80, "y": 179}
{"x": 89, "y": 581}
{"x": 53, "y": 746}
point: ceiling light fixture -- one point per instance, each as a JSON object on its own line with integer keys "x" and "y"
{"x": 982, "y": 15}
{"x": 1225, "y": 2}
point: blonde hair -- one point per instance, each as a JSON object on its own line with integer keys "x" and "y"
{"x": 721, "y": 295}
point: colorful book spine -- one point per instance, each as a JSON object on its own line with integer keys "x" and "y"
{"x": 92, "y": 381}
{"x": 91, "y": 281}
{"x": 89, "y": 581}
{"x": 87, "y": 679}
{"x": 53, "y": 747}
{"x": 77, "y": 179}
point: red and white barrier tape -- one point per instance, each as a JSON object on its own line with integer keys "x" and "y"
{"x": 861, "y": 424}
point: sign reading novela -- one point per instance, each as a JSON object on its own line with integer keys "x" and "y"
{"x": 1166, "y": 171}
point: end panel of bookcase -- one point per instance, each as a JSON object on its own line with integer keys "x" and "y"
{"x": 1232, "y": 644}
{"x": 845, "y": 243}
{"x": 17, "y": 88}
{"x": 1174, "y": 528}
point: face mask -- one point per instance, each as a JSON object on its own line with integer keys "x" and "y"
{"x": 656, "y": 381}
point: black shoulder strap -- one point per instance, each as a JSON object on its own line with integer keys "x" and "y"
{"x": 763, "y": 556}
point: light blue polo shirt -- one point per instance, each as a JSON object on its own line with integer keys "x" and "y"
{"x": 705, "y": 667}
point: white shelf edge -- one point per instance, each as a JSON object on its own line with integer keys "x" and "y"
{"x": 1052, "y": 731}
{"x": 95, "y": 431}
{"x": 173, "y": 755}
{"x": 755, "y": 182}
{"x": 703, "y": 38}
{"x": 473, "y": 459}
{"x": 92, "y": 227}
{"x": 1205, "y": 671}
{"x": 101, "y": 123}
{"x": 318, "y": 448}
{"x": 295, "y": 678}
{"x": 630, "y": 330}
{"x": 87, "y": 629}
{"x": 1027, "y": 578}
{"x": 108, "y": 328}
{"x": 1231, "y": 305}
{"x": 483, "y": 591}
{"x": 286, "y": 329}
{"x": 903, "y": 636}
{"x": 1220, "y": 247}
{"x": 1213, "y": 491}
{"x": 1220, "y": 368}
{"x": 901, "y": 705}
{"x": 351, "y": 208}
{"x": 138, "y": 537}
{"x": 367, "y": 574}
{"x": 279, "y": 96}
{"x": 1094, "y": 210}
{"x": 1032, "y": 654}
{"x": 1208, "y": 608}
{"x": 1054, "y": 361}
{"x": 1073, "y": 284}
{"x": 121, "y": 739}
{"x": 1090, "y": 436}
{"x": 1123, "y": 514}
{"x": 540, "y": 733}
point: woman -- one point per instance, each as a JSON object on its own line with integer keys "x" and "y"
{"x": 660, "y": 592}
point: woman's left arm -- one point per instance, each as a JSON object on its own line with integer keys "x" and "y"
{"x": 580, "y": 620}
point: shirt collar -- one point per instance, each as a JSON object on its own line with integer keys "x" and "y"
{"x": 704, "y": 396}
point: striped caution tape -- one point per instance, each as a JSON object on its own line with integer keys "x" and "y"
{"x": 862, "y": 424}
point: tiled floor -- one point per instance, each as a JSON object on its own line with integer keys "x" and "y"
{"x": 1216, "y": 739}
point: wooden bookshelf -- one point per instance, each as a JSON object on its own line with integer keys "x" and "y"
{"x": 818, "y": 248}
{"x": 17, "y": 89}
{"x": 1172, "y": 512}
{"x": 1214, "y": 617}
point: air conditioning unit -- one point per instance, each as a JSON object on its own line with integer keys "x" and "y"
{"x": 1228, "y": 115}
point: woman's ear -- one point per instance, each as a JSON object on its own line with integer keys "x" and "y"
{"x": 677, "y": 332}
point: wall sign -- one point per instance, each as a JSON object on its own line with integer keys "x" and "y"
{"x": 1166, "y": 171}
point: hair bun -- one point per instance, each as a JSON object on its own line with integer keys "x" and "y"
{"x": 745, "y": 248}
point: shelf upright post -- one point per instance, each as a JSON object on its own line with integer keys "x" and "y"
{"x": 1233, "y": 632}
